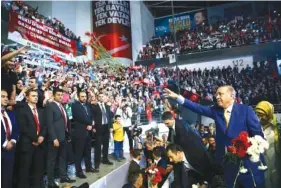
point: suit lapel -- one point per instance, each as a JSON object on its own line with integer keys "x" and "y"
{"x": 223, "y": 123}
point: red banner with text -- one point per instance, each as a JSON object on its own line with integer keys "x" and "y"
{"x": 42, "y": 37}
{"x": 112, "y": 27}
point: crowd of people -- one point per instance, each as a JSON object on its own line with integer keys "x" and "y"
{"x": 27, "y": 11}
{"x": 86, "y": 101}
{"x": 224, "y": 34}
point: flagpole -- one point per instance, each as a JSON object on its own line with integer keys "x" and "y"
{"x": 175, "y": 45}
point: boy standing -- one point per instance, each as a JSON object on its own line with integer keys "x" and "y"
{"x": 118, "y": 136}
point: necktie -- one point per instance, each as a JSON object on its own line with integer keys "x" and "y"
{"x": 103, "y": 113}
{"x": 36, "y": 120}
{"x": 8, "y": 130}
{"x": 85, "y": 107}
{"x": 63, "y": 115}
{"x": 226, "y": 117}
{"x": 172, "y": 135}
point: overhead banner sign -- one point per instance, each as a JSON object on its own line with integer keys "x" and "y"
{"x": 39, "y": 36}
{"x": 182, "y": 21}
{"x": 240, "y": 63}
{"x": 112, "y": 27}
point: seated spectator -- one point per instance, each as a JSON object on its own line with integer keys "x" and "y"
{"x": 149, "y": 145}
{"x": 212, "y": 129}
{"x": 165, "y": 140}
{"x": 205, "y": 142}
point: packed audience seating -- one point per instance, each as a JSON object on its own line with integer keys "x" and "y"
{"x": 27, "y": 11}
{"x": 224, "y": 34}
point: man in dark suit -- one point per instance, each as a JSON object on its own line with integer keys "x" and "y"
{"x": 158, "y": 160}
{"x": 184, "y": 176}
{"x": 58, "y": 133}
{"x": 103, "y": 125}
{"x": 135, "y": 163}
{"x": 82, "y": 134}
{"x": 231, "y": 119}
{"x": 135, "y": 180}
{"x": 196, "y": 154}
{"x": 32, "y": 146}
{"x": 9, "y": 137}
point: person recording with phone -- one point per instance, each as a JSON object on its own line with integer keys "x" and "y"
{"x": 126, "y": 114}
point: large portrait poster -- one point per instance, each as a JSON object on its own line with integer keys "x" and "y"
{"x": 39, "y": 36}
{"x": 112, "y": 27}
{"x": 182, "y": 21}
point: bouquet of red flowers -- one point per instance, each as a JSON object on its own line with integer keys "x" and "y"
{"x": 245, "y": 146}
{"x": 154, "y": 174}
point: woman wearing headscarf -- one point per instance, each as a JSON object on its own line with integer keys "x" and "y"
{"x": 271, "y": 129}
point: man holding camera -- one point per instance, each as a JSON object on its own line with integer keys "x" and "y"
{"x": 126, "y": 114}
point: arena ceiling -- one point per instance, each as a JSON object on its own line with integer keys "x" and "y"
{"x": 164, "y": 8}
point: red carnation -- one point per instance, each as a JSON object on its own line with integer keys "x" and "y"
{"x": 232, "y": 149}
{"x": 88, "y": 33}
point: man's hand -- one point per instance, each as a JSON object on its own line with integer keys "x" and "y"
{"x": 40, "y": 139}
{"x": 10, "y": 108}
{"x": 169, "y": 94}
{"x": 12, "y": 102}
{"x": 169, "y": 168}
{"x": 89, "y": 127}
{"x": 56, "y": 143}
{"x": 94, "y": 130}
{"x": 35, "y": 143}
{"x": 9, "y": 145}
{"x": 111, "y": 130}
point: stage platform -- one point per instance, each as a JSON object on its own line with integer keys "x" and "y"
{"x": 110, "y": 176}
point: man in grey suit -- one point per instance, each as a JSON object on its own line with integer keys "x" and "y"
{"x": 58, "y": 132}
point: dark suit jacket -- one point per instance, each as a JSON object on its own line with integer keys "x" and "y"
{"x": 97, "y": 112}
{"x": 15, "y": 128}
{"x": 55, "y": 122}
{"x": 128, "y": 185}
{"x": 134, "y": 167}
{"x": 81, "y": 120}
{"x": 194, "y": 150}
{"x": 162, "y": 163}
{"x": 180, "y": 177}
{"x": 184, "y": 178}
{"x": 28, "y": 131}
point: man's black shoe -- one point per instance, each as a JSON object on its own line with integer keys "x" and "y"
{"x": 54, "y": 185}
{"x": 92, "y": 170}
{"x": 67, "y": 180}
{"x": 81, "y": 175}
{"x": 107, "y": 162}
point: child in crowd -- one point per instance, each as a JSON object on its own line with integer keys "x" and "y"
{"x": 118, "y": 137}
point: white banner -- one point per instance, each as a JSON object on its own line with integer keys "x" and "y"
{"x": 43, "y": 64}
{"x": 40, "y": 47}
{"x": 241, "y": 62}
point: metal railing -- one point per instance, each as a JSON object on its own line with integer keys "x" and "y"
{"x": 142, "y": 119}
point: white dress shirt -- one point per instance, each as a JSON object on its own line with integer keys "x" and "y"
{"x": 61, "y": 108}
{"x": 10, "y": 125}
{"x": 187, "y": 164}
{"x": 102, "y": 107}
{"x": 137, "y": 161}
